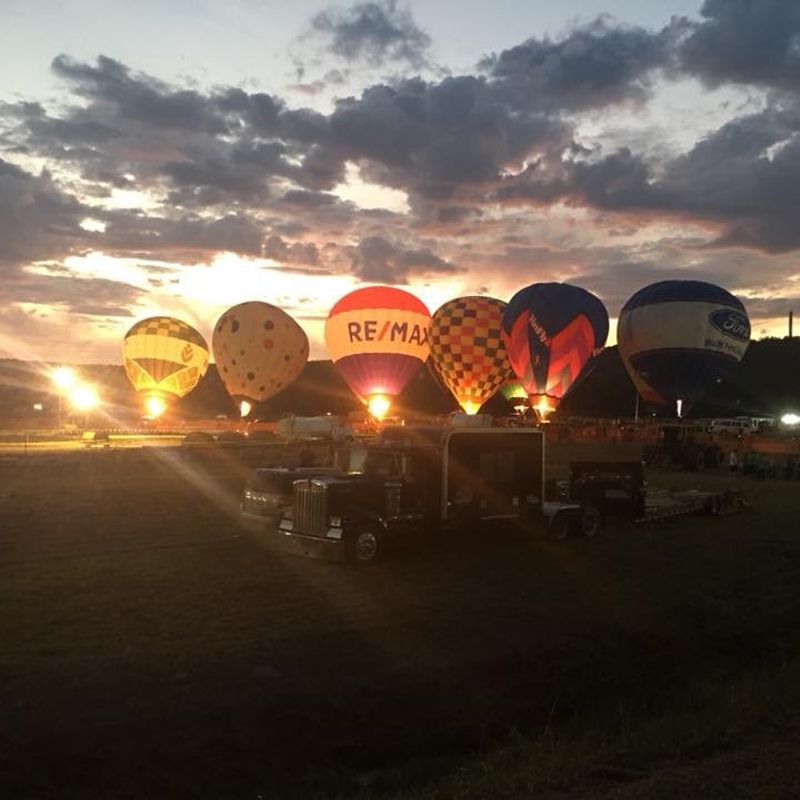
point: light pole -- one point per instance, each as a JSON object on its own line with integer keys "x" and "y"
{"x": 84, "y": 398}
{"x": 64, "y": 379}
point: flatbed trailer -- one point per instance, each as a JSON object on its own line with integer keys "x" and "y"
{"x": 663, "y": 504}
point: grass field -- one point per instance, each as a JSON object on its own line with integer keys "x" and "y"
{"x": 149, "y": 647}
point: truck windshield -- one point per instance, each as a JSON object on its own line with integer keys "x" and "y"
{"x": 383, "y": 464}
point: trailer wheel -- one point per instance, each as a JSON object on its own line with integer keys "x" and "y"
{"x": 365, "y": 544}
{"x": 591, "y": 521}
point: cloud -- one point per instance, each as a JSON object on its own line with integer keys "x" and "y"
{"x": 594, "y": 66}
{"x": 303, "y": 253}
{"x": 746, "y": 42}
{"x": 138, "y": 97}
{"x": 377, "y": 260}
{"x": 502, "y": 174}
{"x": 743, "y": 178}
{"x": 376, "y": 32}
{"x": 78, "y": 295}
{"x": 37, "y": 219}
{"x": 187, "y": 238}
{"x": 432, "y": 138}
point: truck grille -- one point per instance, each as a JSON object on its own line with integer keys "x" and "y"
{"x": 310, "y": 513}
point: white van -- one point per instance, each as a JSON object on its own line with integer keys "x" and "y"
{"x": 322, "y": 427}
{"x": 738, "y": 426}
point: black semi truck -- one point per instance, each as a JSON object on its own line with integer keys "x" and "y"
{"x": 416, "y": 480}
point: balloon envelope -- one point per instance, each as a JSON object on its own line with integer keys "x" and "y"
{"x": 378, "y": 339}
{"x": 467, "y": 349}
{"x": 552, "y": 331}
{"x": 164, "y": 355}
{"x": 676, "y": 338}
{"x": 259, "y": 350}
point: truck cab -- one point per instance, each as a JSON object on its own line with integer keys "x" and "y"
{"x": 424, "y": 481}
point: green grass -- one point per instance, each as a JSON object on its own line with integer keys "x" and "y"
{"x": 152, "y": 649}
{"x": 724, "y": 723}
{"x": 639, "y": 748}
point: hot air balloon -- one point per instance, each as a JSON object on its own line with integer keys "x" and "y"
{"x": 164, "y": 357}
{"x": 552, "y": 331}
{"x": 467, "y": 349}
{"x": 378, "y": 339}
{"x": 677, "y": 338}
{"x": 259, "y": 350}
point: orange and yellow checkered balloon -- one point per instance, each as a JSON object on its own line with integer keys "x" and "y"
{"x": 467, "y": 349}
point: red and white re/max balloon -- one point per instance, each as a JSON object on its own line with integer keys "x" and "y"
{"x": 378, "y": 339}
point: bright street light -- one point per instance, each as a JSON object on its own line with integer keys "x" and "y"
{"x": 84, "y": 397}
{"x": 64, "y": 378}
{"x": 790, "y": 419}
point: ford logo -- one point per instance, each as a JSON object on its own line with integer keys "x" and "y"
{"x": 732, "y": 323}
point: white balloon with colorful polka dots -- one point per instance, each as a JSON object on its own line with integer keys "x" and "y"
{"x": 259, "y": 350}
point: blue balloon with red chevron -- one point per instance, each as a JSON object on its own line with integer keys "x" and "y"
{"x": 679, "y": 337}
{"x": 553, "y": 331}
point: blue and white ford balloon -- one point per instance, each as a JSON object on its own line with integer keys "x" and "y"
{"x": 677, "y": 338}
{"x": 731, "y": 323}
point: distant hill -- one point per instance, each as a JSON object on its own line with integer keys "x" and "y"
{"x": 767, "y": 382}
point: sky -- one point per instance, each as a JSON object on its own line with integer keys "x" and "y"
{"x": 180, "y": 158}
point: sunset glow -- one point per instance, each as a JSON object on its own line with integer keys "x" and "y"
{"x": 450, "y": 179}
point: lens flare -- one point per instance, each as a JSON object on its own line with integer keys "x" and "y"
{"x": 64, "y": 377}
{"x": 378, "y": 405}
{"x": 155, "y": 406}
{"x": 84, "y": 397}
{"x": 543, "y": 406}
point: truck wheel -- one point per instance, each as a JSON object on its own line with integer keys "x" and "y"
{"x": 694, "y": 459}
{"x": 591, "y": 521}
{"x": 560, "y": 528}
{"x": 365, "y": 545}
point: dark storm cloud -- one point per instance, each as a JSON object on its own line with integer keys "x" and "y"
{"x": 37, "y": 219}
{"x": 231, "y": 166}
{"x": 187, "y": 238}
{"x": 73, "y": 293}
{"x": 376, "y": 32}
{"x": 746, "y": 41}
{"x": 138, "y": 97}
{"x": 432, "y": 138}
{"x": 215, "y": 181}
{"x": 596, "y": 65}
{"x": 297, "y": 197}
{"x": 380, "y": 261}
{"x": 744, "y": 178}
{"x": 281, "y": 251}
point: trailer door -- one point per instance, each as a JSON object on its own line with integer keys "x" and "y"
{"x": 491, "y": 473}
